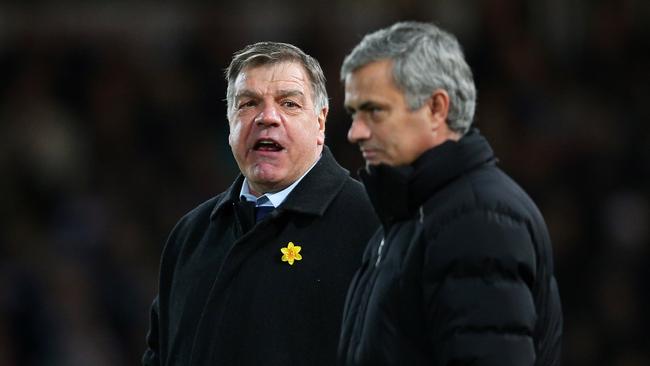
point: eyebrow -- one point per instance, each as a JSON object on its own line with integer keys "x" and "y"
{"x": 246, "y": 94}
{"x": 281, "y": 94}
{"x": 291, "y": 93}
{"x": 363, "y": 106}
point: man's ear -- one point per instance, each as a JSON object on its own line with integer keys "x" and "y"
{"x": 322, "y": 117}
{"x": 438, "y": 105}
{"x": 439, "y": 109}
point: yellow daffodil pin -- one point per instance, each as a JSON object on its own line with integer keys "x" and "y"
{"x": 291, "y": 253}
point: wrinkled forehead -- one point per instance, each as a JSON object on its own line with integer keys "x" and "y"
{"x": 284, "y": 75}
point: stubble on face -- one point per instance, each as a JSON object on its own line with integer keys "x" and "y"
{"x": 384, "y": 126}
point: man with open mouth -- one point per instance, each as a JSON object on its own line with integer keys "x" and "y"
{"x": 258, "y": 274}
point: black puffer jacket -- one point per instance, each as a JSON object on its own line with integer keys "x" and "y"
{"x": 461, "y": 272}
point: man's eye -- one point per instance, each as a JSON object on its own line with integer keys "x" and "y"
{"x": 374, "y": 110}
{"x": 247, "y": 104}
{"x": 290, "y": 104}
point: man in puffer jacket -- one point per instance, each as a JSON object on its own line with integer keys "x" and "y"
{"x": 461, "y": 271}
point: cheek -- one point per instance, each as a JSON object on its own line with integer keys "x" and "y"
{"x": 231, "y": 139}
{"x": 384, "y": 137}
{"x": 305, "y": 134}
{"x": 234, "y": 145}
{"x": 397, "y": 144}
{"x": 234, "y": 138}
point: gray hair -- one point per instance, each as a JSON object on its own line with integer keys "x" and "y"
{"x": 425, "y": 58}
{"x": 268, "y": 53}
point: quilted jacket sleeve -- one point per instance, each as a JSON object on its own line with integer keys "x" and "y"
{"x": 479, "y": 272}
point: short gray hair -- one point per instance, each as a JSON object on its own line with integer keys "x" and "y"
{"x": 425, "y": 58}
{"x": 268, "y": 53}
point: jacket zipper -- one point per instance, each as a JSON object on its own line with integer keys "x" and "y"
{"x": 381, "y": 246}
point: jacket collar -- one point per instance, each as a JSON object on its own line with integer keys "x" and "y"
{"x": 396, "y": 192}
{"x": 312, "y": 195}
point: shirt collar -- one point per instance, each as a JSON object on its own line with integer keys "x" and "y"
{"x": 273, "y": 199}
{"x": 321, "y": 186}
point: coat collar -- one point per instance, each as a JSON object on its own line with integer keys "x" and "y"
{"x": 396, "y": 192}
{"x": 312, "y": 195}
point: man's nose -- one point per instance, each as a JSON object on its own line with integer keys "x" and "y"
{"x": 358, "y": 131}
{"x": 268, "y": 116}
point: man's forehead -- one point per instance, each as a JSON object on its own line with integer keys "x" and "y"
{"x": 282, "y": 75}
{"x": 371, "y": 83}
{"x": 254, "y": 93}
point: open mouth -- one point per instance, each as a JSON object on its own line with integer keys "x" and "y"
{"x": 267, "y": 145}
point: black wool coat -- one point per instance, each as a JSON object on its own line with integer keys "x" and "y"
{"x": 226, "y": 297}
{"x": 461, "y": 272}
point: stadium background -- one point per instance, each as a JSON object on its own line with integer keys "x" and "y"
{"x": 112, "y": 125}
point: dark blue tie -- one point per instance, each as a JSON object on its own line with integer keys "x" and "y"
{"x": 262, "y": 211}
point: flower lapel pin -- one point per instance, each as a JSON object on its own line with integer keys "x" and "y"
{"x": 291, "y": 253}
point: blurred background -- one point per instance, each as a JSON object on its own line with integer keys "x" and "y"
{"x": 112, "y": 126}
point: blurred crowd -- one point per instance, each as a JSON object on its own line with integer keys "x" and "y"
{"x": 112, "y": 126}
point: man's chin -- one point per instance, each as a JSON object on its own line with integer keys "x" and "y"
{"x": 265, "y": 171}
{"x": 370, "y": 163}
{"x": 266, "y": 181}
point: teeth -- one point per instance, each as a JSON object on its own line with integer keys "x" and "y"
{"x": 267, "y": 144}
